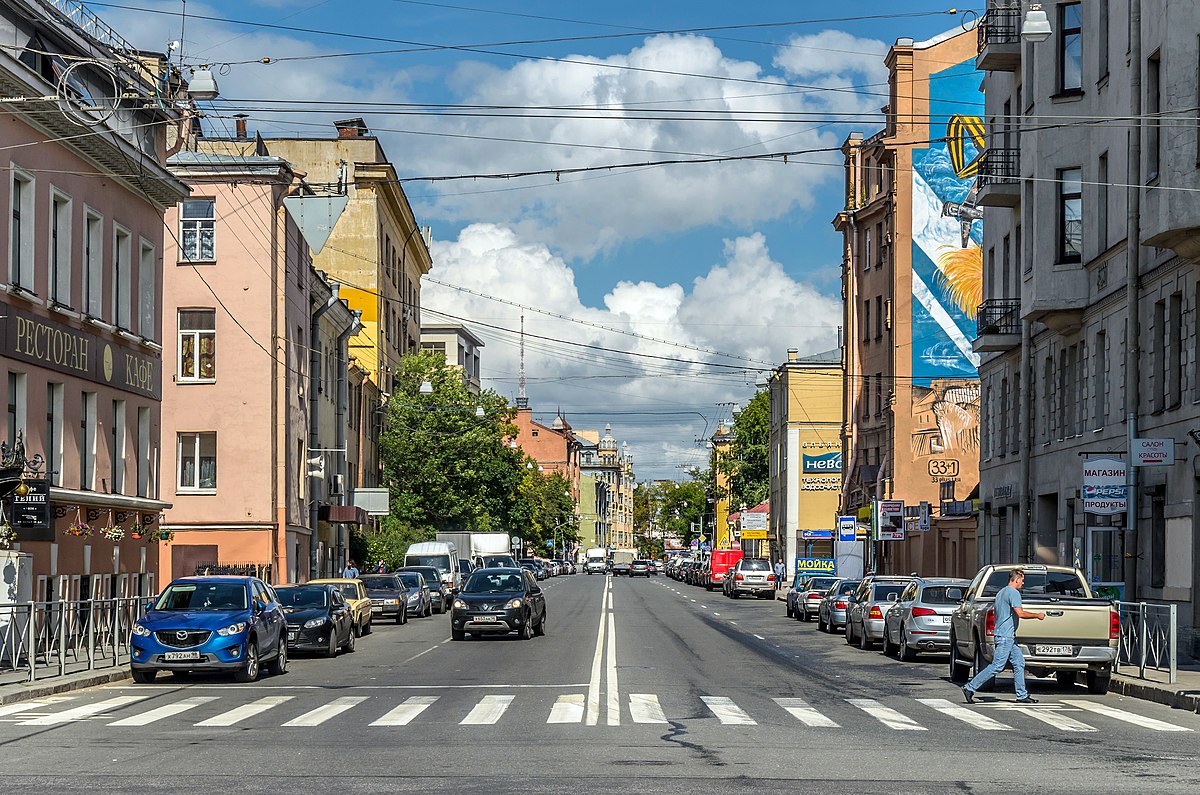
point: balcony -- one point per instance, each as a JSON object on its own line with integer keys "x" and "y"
{"x": 999, "y": 34}
{"x": 999, "y": 325}
{"x": 1000, "y": 177}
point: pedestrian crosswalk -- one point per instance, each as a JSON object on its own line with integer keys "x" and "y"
{"x": 383, "y": 709}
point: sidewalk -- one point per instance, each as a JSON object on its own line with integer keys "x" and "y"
{"x": 11, "y": 694}
{"x": 1184, "y": 694}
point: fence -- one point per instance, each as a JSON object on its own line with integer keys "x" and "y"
{"x": 39, "y": 640}
{"x": 1149, "y": 639}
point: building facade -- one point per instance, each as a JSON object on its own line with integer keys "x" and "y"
{"x": 1088, "y": 326}
{"x": 458, "y": 346}
{"x": 609, "y": 468}
{"x": 911, "y": 280}
{"x": 554, "y": 447}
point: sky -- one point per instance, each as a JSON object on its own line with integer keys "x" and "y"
{"x": 654, "y": 296}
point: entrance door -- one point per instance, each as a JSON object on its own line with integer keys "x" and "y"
{"x": 1103, "y": 563}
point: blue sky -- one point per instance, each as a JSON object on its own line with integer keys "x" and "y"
{"x": 717, "y": 266}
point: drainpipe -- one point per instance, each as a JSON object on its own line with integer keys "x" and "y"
{"x": 343, "y": 398}
{"x": 1021, "y": 530}
{"x": 1133, "y": 249}
{"x": 314, "y": 367}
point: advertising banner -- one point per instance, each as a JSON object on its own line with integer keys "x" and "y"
{"x": 1104, "y": 486}
{"x": 889, "y": 520}
{"x": 816, "y": 535}
{"x": 816, "y": 566}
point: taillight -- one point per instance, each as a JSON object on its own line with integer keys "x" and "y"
{"x": 875, "y": 613}
{"x": 770, "y": 578}
{"x": 840, "y": 605}
{"x": 923, "y": 611}
{"x": 1114, "y": 625}
{"x": 990, "y": 621}
{"x": 739, "y": 578}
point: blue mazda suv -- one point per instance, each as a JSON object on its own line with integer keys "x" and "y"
{"x": 211, "y": 624}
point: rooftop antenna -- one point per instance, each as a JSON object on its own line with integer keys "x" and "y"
{"x": 522, "y": 398}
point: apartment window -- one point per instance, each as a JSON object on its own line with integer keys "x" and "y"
{"x": 879, "y": 394}
{"x": 197, "y": 345}
{"x": 147, "y": 291}
{"x": 60, "y": 248}
{"x": 122, "y": 253}
{"x": 990, "y": 270}
{"x": 435, "y": 347}
{"x": 1174, "y": 375}
{"x": 866, "y": 319}
{"x": 197, "y": 230}
{"x": 1102, "y": 202}
{"x": 1154, "y": 124}
{"x": 1070, "y": 215}
{"x": 1027, "y": 220}
{"x": 1048, "y": 396}
{"x": 879, "y": 317}
{"x": 20, "y": 230}
{"x": 1004, "y": 416}
{"x": 1015, "y": 447}
{"x": 1158, "y": 386}
{"x": 985, "y": 421}
{"x": 143, "y": 451}
{"x": 867, "y": 261}
{"x": 198, "y": 462}
{"x": 1005, "y": 264}
{"x": 87, "y": 441}
{"x": 1100, "y": 382}
{"x": 1070, "y": 48}
{"x": 54, "y": 431}
{"x": 1017, "y": 251}
{"x": 93, "y": 263}
{"x": 1102, "y": 30}
{"x": 879, "y": 245}
{"x": 117, "y": 448}
{"x": 16, "y": 406}
{"x": 866, "y": 397}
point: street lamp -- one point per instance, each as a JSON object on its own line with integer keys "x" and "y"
{"x": 1036, "y": 27}
{"x": 426, "y": 388}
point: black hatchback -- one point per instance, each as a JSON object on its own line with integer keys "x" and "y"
{"x": 499, "y": 601}
{"x": 318, "y": 618}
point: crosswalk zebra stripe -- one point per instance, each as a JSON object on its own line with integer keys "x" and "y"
{"x": 84, "y": 711}
{"x": 886, "y": 715}
{"x": 801, "y": 711}
{"x": 1127, "y": 717}
{"x": 323, "y": 713}
{"x": 644, "y": 708}
{"x": 28, "y": 706}
{"x": 728, "y": 712}
{"x": 166, "y": 711}
{"x": 1055, "y": 718}
{"x": 489, "y": 710}
{"x": 567, "y": 709}
{"x": 965, "y": 715}
{"x": 406, "y": 712}
{"x": 239, "y": 714}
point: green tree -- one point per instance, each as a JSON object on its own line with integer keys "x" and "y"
{"x": 680, "y": 509}
{"x": 747, "y": 464}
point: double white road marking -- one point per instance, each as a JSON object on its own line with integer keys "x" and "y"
{"x": 604, "y": 662}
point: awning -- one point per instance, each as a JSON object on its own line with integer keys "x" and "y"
{"x": 345, "y": 514}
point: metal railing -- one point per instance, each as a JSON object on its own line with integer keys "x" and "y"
{"x": 88, "y": 23}
{"x": 1001, "y": 24}
{"x": 1149, "y": 639}
{"x": 1000, "y": 166}
{"x": 39, "y": 640}
{"x": 999, "y": 316}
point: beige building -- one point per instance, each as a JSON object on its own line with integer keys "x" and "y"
{"x": 458, "y": 346}
{"x": 608, "y": 467}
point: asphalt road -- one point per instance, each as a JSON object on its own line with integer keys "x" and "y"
{"x": 698, "y": 694}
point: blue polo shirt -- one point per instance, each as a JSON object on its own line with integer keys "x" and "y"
{"x": 1007, "y": 620}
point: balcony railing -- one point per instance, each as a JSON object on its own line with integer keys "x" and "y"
{"x": 1000, "y": 167}
{"x": 1001, "y": 24}
{"x": 999, "y": 316}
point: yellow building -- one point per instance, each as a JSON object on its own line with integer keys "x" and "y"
{"x": 722, "y": 443}
{"x": 806, "y": 456}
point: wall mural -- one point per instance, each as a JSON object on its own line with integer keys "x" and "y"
{"x": 947, "y": 272}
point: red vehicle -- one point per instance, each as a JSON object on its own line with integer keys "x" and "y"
{"x": 722, "y": 561}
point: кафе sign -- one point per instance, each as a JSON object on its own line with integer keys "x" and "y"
{"x": 55, "y": 346}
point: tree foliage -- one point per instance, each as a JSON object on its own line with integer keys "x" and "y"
{"x": 673, "y": 508}
{"x": 747, "y": 463}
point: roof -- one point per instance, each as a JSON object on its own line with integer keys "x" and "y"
{"x": 452, "y": 328}
{"x": 762, "y": 507}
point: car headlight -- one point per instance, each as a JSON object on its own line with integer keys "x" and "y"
{"x": 232, "y": 629}
{"x": 513, "y": 604}
{"x": 459, "y": 604}
{"x": 313, "y": 623}
{"x": 141, "y": 631}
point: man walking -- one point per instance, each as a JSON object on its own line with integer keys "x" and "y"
{"x": 780, "y": 570}
{"x": 351, "y": 571}
{"x": 1008, "y": 618}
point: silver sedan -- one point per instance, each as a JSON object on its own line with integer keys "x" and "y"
{"x": 864, "y": 619}
{"x": 832, "y": 612}
{"x": 920, "y": 619}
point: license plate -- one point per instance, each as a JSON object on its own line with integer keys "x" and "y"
{"x": 291, "y": 636}
{"x": 943, "y": 619}
{"x": 181, "y": 655}
{"x": 486, "y": 619}
{"x": 1053, "y": 651}
{"x": 376, "y": 609}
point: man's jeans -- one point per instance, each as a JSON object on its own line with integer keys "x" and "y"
{"x": 1007, "y": 651}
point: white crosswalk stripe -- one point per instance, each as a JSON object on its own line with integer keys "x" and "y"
{"x": 801, "y": 711}
{"x": 728, "y": 712}
{"x": 886, "y": 715}
{"x": 17, "y": 709}
{"x": 239, "y": 714}
{"x": 1053, "y": 717}
{"x": 83, "y": 711}
{"x": 323, "y": 713}
{"x": 965, "y": 715}
{"x": 567, "y": 709}
{"x": 489, "y": 710}
{"x": 1127, "y": 717}
{"x": 644, "y": 708}
{"x": 406, "y": 712}
{"x": 166, "y": 711}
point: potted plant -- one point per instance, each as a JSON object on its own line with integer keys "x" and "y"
{"x": 7, "y": 535}
{"x": 80, "y": 529}
{"x": 113, "y": 533}
{"x": 136, "y": 529}
{"x": 166, "y": 536}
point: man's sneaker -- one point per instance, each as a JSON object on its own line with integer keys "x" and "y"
{"x": 1027, "y": 700}
{"x": 968, "y": 695}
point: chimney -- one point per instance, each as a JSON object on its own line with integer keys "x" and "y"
{"x": 793, "y": 354}
{"x": 351, "y": 128}
{"x": 240, "y": 125}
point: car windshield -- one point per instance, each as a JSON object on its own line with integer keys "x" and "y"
{"x": 942, "y": 594}
{"x": 821, "y": 583}
{"x": 413, "y": 580}
{"x": 379, "y": 583}
{"x": 439, "y": 562}
{"x": 465, "y": 566}
{"x": 755, "y": 564}
{"x": 499, "y": 561}
{"x": 430, "y": 575}
{"x": 494, "y": 582}
{"x": 349, "y": 591}
{"x": 1041, "y": 583}
{"x": 302, "y": 598}
{"x": 881, "y": 593}
{"x": 203, "y": 596}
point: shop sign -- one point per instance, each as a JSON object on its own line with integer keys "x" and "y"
{"x": 820, "y": 464}
{"x": 1153, "y": 452}
{"x": 816, "y": 535}
{"x": 816, "y": 566}
{"x": 1104, "y": 486}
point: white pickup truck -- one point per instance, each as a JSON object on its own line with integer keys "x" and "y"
{"x": 1079, "y": 634}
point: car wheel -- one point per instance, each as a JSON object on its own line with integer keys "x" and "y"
{"x": 980, "y": 664}
{"x": 369, "y": 628}
{"x": 790, "y": 612}
{"x": 143, "y": 676}
{"x": 887, "y": 646}
{"x": 458, "y": 634}
{"x": 959, "y": 673}
{"x": 907, "y": 653}
{"x": 249, "y": 671}
{"x": 1098, "y": 682}
{"x": 541, "y": 627}
{"x": 527, "y": 629}
{"x": 332, "y": 649}
{"x": 278, "y": 666}
{"x": 849, "y": 634}
{"x": 403, "y": 617}
{"x": 863, "y": 643}
{"x": 428, "y": 610}
{"x": 820, "y": 623}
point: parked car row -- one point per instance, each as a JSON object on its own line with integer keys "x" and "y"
{"x": 726, "y": 569}
{"x": 542, "y": 569}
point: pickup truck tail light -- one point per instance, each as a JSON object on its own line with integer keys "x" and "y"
{"x": 875, "y": 613}
{"x": 1114, "y": 625}
{"x": 840, "y": 604}
{"x": 990, "y": 622}
{"x": 923, "y": 611}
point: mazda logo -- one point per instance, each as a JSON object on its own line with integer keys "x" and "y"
{"x": 181, "y": 634}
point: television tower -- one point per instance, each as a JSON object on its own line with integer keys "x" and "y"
{"x": 522, "y": 398}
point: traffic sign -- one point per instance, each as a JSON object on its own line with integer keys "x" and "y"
{"x": 847, "y": 528}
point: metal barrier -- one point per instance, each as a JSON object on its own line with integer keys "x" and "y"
{"x": 39, "y": 640}
{"x": 1149, "y": 638}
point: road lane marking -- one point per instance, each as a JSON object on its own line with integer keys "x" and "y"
{"x": 331, "y": 710}
{"x": 728, "y": 712}
{"x": 1127, "y": 717}
{"x": 85, "y": 711}
{"x": 146, "y": 718}
{"x": 886, "y": 715}
{"x": 718, "y": 615}
{"x": 610, "y": 602}
{"x": 613, "y": 690}
{"x": 703, "y": 607}
{"x": 238, "y": 714}
{"x": 760, "y": 637}
{"x": 406, "y": 712}
{"x": 802, "y": 712}
{"x": 488, "y": 711}
{"x": 644, "y": 708}
{"x": 965, "y": 715}
{"x": 1054, "y": 718}
{"x": 593, "y": 710}
{"x": 567, "y": 709}
{"x": 418, "y": 654}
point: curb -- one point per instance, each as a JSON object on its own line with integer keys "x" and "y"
{"x": 66, "y": 684}
{"x": 1176, "y": 699}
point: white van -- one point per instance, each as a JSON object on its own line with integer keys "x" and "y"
{"x": 442, "y": 555}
